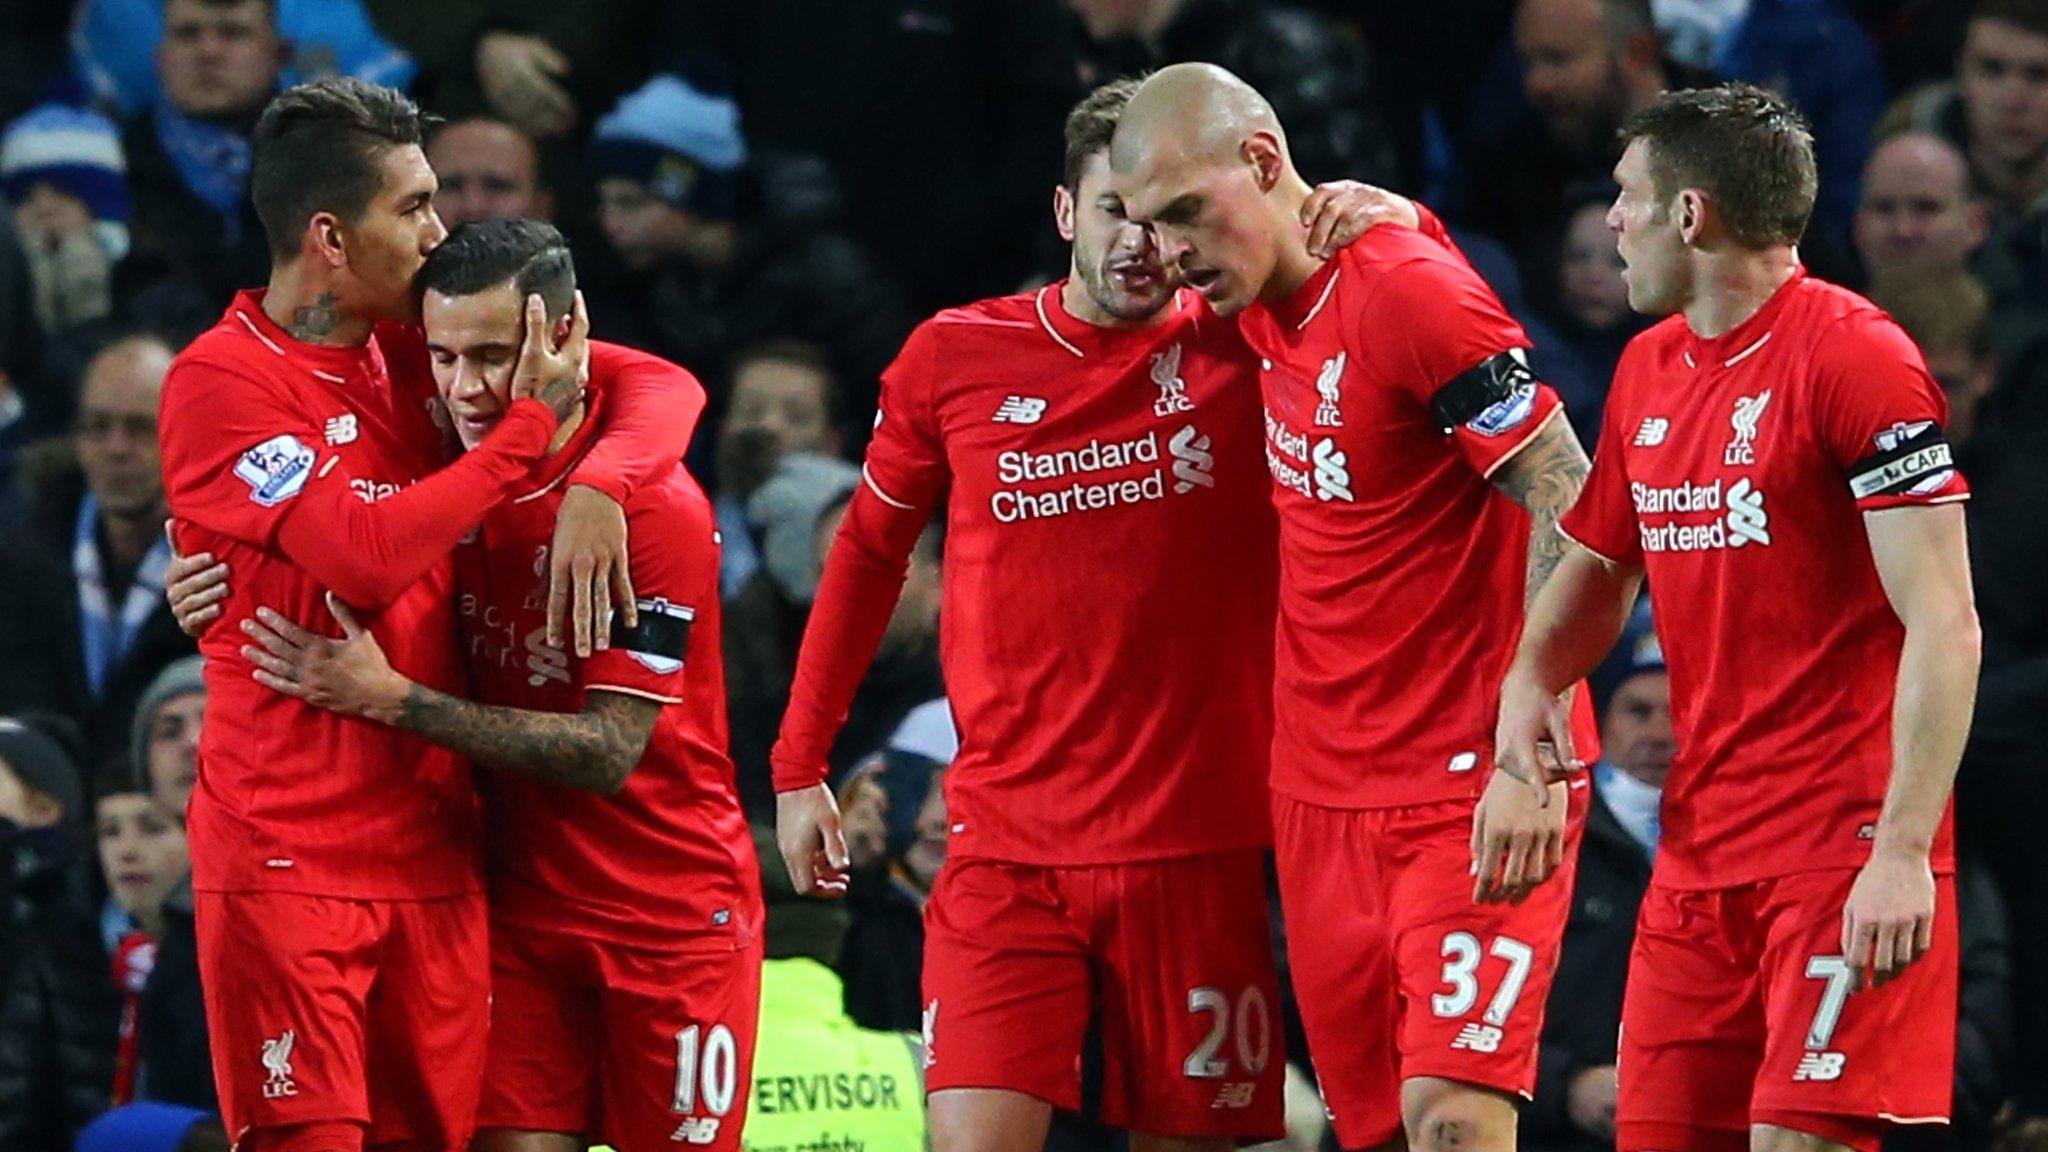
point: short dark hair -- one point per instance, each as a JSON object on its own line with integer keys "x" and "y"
{"x": 1748, "y": 149}
{"x": 482, "y": 254}
{"x": 316, "y": 149}
{"x": 1092, "y": 125}
{"x": 2031, "y": 15}
{"x": 791, "y": 350}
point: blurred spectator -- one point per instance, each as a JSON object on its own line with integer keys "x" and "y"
{"x": 100, "y": 517}
{"x": 1919, "y": 217}
{"x": 63, "y": 175}
{"x": 1315, "y": 76}
{"x": 1996, "y": 113}
{"x": 168, "y": 719}
{"x": 709, "y": 271}
{"x": 151, "y": 1127}
{"x": 1949, "y": 317}
{"x": 781, "y": 401}
{"x": 1592, "y": 313}
{"x": 545, "y": 66}
{"x": 764, "y": 619}
{"x": 807, "y": 1037}
{"x": 1573, "y": 1108}
{"x": 1586, "y": 64}
{"x": 1809, "y": 50}
{"x": 939, "y": 121}
{"x": 171, "y": 1014}
{"x": 58, "y": 1011}
{"x": 188, "y": 154}
{"x": 144, "y": 859}
{"x": 1996, "y": 110}
{"x": 487, "y": 168}
{"x": 895, "y": 825}
{"x": 115, "y": 43}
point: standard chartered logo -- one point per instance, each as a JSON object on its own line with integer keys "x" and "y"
{"x": 1193, "y": 466}
{"x": 1188, "y": 456}
{"x": 1333, "y": 474}
{"x": 1739, "y": 518}
{"x": 1747, "y": 523}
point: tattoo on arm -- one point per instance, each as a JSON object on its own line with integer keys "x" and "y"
{"x": 1545, "y": 478}
{"x": 315, "y": 322}
{"x": 592, "y": 750}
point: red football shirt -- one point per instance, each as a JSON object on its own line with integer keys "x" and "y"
{"x": 303, "y": 467}
{"x": 1402, "y": 569}
{"x": 1108, "y": 581}
{"x": 668, "y": 862}
{"x": 1736, "y": 471}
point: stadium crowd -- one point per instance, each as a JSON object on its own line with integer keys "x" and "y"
{"x": 771, "y": 194}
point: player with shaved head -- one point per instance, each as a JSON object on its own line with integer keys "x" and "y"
{"x": 1419, "y": 468}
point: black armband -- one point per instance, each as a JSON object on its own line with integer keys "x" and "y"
{"x": 1491, "y": 397}
{"x": 660, "y": 638}
{"x": 1908, "y": 458}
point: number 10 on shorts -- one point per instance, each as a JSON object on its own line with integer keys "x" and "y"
{"x": 1462, "y": 952}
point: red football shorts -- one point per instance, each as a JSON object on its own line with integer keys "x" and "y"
{"x": 1739, "y": 1012}
{"x": 640, "y": 1049}
{"x": 1174, "y": 959}
{"x": 1397, "y": 972}
{"x": 328, "y": 1011}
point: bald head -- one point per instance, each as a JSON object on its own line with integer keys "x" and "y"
{"x": 1918, "y": 216}
{"x": 1200, "y": 159}
{"x": 1190, "y": 112}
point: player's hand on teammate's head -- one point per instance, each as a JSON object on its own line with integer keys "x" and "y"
{"x": 195, "y": 588}
{"x": 589, "y": 578}
{"x": 1341, "y": 211}
{"x": 350, "y": 675}
{"x": 1518, "y": 830}
{"x": 1888, "y": 920}
{"x": 808, "y": 832}
{"x": 553, "y": 373}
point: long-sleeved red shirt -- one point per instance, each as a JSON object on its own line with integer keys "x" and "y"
{"x": 310, "y": 468}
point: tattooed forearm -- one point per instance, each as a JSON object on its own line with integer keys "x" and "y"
{"x": 592, "y": 750}
{"x": 315, "y": 322}
{"x": 1545, "y": 478}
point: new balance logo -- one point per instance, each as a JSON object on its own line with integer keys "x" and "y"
{"x": 696, "y": 1132}
{"x": 342, "y": 429}
{"x": 1193, "y": 466}
{"x": 277, "y": 1062}
{"x": 1020, "y": 410}
{"x": 1821, "y": 1066}
{"x": 1478, "y": 1038}
{"x": 1653, "y": 432}
{"x": 1747, "y": 521}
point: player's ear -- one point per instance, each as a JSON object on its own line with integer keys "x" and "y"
{"x": 1262, "y": 150}
{"x": 560, "y": 330}
{"x": 323, "y": 240}
{"x": 1692, "y": 215}
{"x": 1063, "y": 212}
